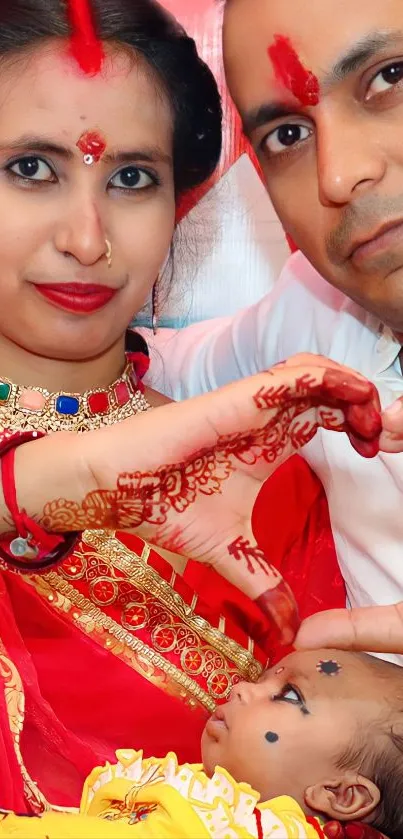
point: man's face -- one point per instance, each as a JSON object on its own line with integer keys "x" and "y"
{"x": 334, "y": 170}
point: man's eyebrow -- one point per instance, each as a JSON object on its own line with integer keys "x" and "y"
{"x": 268, "y": 112}
{"x": 362, "y": 51}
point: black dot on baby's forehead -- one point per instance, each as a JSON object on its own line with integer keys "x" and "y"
{"x": 328, "y": 668}
{"x": 271, "y": 736}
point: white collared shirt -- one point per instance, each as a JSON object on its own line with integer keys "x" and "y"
{"x": 305, "y": 314}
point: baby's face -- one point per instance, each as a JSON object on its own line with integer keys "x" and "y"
{"x": 287, "y": 731}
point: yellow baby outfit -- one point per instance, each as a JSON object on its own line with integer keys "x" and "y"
{"x": 158, "y": 799}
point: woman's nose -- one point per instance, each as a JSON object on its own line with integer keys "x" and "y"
{"x": 80, "y": 233}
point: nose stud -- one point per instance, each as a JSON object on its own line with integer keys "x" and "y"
{"x": 108, "y": 252}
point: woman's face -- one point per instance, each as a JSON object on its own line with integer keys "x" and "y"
{"x": 56, "y": 212}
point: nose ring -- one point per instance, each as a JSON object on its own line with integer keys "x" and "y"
{"x": 108, "y": 252}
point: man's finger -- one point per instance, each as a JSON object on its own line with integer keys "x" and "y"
{"x": 377, "y": 629}
{"x": 391, "y": 443}
{"x": 392, "y": 418}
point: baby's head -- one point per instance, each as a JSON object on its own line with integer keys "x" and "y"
{"x": 324, "y": 727}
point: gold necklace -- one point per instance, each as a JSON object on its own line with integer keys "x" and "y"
{"x": 36, "y": 409}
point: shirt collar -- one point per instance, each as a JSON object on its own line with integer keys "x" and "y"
{"x": 387, "y": 349}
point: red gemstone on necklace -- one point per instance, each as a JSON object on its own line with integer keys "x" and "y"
{"x": 98, "y": 403}
{"x": 121, "y": 392}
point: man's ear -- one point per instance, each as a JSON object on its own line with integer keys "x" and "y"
{"x": 349, "y": 798}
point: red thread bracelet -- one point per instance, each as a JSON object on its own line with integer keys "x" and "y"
{"x": 33, "y": 548}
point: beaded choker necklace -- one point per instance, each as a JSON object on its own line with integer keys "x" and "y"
{"x": 36, "y": 409}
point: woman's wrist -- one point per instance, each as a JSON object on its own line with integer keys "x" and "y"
{"x": 47, "y": 470}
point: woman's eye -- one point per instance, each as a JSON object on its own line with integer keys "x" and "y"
{"x": 32, "y": 168}
{"x": 286, "y": 136}
{"x": 131, "y": 177}
{"x": 386, "y": 78}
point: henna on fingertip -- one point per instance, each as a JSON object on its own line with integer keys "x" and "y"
{"x": 279, "y": 606}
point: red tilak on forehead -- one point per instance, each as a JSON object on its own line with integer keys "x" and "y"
{"x": 290, "y": 71}
{"x": 92, "y": 145}
{"x": 86, "y": 48}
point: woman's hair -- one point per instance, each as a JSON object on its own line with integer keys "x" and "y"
{"x": 148, "y": 28}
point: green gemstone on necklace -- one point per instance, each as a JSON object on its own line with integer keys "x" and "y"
{"x": 5, "y": 391}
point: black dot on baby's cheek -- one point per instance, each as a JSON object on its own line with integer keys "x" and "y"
{"x": 271, "y": 736}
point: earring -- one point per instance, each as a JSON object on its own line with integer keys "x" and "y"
{"x": 154, "y": 307}
{"x": 108, "y": 252}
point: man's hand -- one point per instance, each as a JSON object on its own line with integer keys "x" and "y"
{"x": 376, "y": 629}
{"x": 391, "y": 439}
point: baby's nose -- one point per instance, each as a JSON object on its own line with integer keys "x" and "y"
{"x": 242, "y": 692}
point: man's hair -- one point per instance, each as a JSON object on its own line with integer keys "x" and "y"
{"x": 377, "y": 753}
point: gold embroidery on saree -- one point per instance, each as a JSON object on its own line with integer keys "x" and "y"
{"x": 182, "y": 647}
{"x": 15, "y": 704}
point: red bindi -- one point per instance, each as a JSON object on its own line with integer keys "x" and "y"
{"x": 92, "y": 145}
{"x": 85, "y": 47}
{"x": 290, "y": 71}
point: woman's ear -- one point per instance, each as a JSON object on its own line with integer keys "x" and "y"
{"x": 349, "y": 798}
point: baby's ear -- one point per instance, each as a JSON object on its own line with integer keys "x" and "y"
{"x": 349, "y": 798}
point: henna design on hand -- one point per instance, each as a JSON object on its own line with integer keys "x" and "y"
{"x": 277, "y": 602}
{"x": 141, "y": 497}
{"x": 242, "y": 549}
{"x": 148, "y": 497}
{"x": 361, "y": 420}
{"x": 279, "y": 606}
{"x": 334, "y": 399}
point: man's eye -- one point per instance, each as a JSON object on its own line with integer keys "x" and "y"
{"x": 286, "y": 136}
{"x": 387, "y": 78}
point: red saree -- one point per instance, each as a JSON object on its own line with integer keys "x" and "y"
{"x": 113, "y": 649}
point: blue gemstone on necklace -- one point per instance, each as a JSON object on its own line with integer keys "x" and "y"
{"x": 67, "y": 405}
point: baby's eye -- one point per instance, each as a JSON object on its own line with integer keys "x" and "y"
{"x": 289, "y": 694}
{"x": 292, "y": 696}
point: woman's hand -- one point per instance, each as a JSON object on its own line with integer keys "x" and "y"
{"x": 186, "y": 475}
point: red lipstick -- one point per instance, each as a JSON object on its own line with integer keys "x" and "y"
{"x": 80, "y": 298}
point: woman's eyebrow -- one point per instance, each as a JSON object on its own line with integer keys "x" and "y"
{"x": 151, "y": 154}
